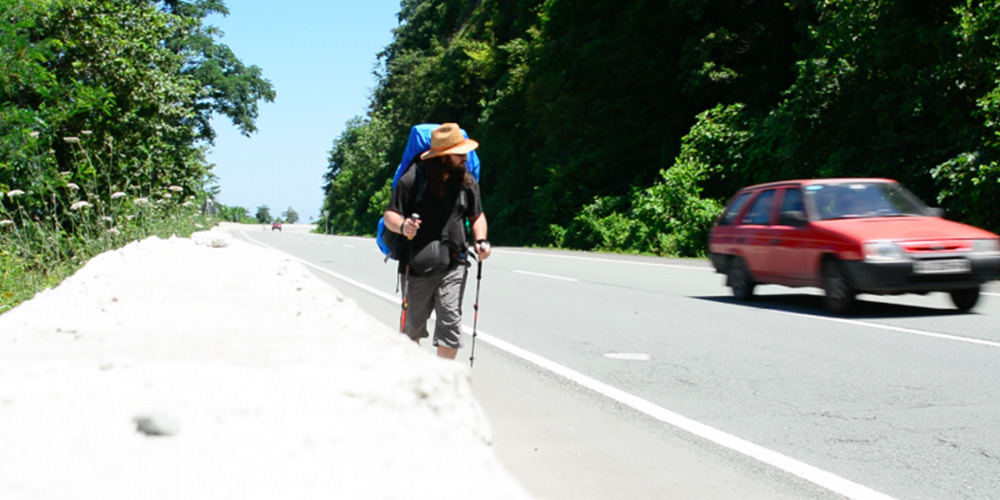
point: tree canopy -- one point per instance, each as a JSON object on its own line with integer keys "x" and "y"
{"x": 115, "y": 96}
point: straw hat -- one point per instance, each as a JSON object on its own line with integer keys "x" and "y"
{"x": 448, "y": 140}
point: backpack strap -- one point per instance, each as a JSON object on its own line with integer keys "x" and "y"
{"x": 420, "y": 183}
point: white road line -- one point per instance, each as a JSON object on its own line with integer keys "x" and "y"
{"x": 790, "y": 465}
{"x": 628, "y": 356}
{"x": 608, "y": 261}
{"x": 546, "y": 276}
{"x": 909, "y": 331}
{"x": 345, "y": 279}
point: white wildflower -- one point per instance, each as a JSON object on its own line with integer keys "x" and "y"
{"x": 6, "y": 222}
{"x": 33, "y": 134}
{"x": 199, "y": 226}
{"x": 116, "y": 195}
{"x": 71, "y": 139}
{"x": 105, "y": 218}
{"x": 78, "y": 205}
{"x": 167, "y": 196}
{"x": 187, "y": 204}
{"x": 176, "y": 189}
{"x": 114, "y": 231}
{"x": 73, "y": 186}
{"x": 141, "y": 201}
{"x": 130, "y": 217}
{"x": 66, "y": 173}
{"x": 14, "y": 192}
{"x": 86, "y": 132}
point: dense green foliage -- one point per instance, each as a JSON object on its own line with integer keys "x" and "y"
{"x": 104, "y": 118}
{"x": 625, "y": 125}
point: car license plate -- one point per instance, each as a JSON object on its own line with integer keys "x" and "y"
{"x": 942, "y": 266}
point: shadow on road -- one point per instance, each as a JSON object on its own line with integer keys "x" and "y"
{"x": 813, "y": 305}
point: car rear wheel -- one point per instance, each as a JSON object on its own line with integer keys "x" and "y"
{"x": 966, "y": 299}
{"x": 840, "y": 296}
{"x": 740, "y": 280}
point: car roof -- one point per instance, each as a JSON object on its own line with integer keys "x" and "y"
{"x": 813, "y": 182}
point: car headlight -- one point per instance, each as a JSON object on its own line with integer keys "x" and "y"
{"x": 883, "y": 251}
{"x": 987, "y": 247}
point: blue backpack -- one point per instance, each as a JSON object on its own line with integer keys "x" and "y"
{"x": 419, "y": 141}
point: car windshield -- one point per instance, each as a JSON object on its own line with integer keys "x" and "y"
{"x": 861, "y": 200}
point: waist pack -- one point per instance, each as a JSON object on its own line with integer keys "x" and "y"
{"x": 433, "y": 259}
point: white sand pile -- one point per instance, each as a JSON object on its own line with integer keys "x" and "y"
{"x": 208, "y": 368}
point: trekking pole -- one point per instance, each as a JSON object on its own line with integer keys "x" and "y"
{"x": 475, "y": 307}
{"x": 406, "y": 275}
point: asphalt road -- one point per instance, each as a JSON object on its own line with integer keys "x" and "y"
{"x": 633, "y": 377}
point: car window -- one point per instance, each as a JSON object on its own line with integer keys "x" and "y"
{"x": 760, "y": 210}
{"x": 863, "y": 199}
{"x": 734, "y": 209}
{"x": 791, "y": 202}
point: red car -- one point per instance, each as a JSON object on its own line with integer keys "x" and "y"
{"x": 849, "y": 236}
{"x": 276, "y": 225}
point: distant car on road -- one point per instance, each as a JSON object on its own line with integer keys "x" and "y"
{"x": 849, "y": 236}
{"x": 276, "y": 225}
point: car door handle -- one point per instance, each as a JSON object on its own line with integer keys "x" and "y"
{"x": 775, "y": 241}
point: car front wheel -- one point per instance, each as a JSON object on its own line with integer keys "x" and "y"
{"x": 966, "y": 299}
{"x": 839, "y": 295}
{"x": 740, "y": 280}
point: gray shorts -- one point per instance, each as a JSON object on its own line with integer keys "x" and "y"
{"x": 442, "y": 294}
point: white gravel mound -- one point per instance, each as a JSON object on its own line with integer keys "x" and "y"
{"x": 209, "y": 368}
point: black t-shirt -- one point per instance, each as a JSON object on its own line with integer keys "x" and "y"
{"x": 435, "y": 211}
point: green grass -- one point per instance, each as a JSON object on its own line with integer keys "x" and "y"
{"x": 53, "y": 221}
{"x": 37, "y": 256}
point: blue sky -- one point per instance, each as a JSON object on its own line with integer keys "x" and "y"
{"x": 319, "y": 56}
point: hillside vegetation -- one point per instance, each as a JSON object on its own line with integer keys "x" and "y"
{"x": 105, "y": 111}
{"x": 624, "y": 126}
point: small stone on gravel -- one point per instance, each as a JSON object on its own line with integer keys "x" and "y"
{"x": 156, "y": 424}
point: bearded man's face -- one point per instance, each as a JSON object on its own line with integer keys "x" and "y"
{"x": 456, "y": 164}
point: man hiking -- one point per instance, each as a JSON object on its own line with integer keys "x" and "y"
{"x": 429, "y": 207}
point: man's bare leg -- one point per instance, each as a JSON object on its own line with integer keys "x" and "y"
{"x": 447, "y": 352}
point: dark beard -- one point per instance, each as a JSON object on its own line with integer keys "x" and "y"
{"x": 436, "y": 170}
{"x": 456, "y": 175}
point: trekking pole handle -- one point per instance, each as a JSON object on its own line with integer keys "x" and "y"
{"x": 416, "y": 217}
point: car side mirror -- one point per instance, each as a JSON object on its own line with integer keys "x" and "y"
{"x": 936, "y": 212}
{"x": 793, "y": 218}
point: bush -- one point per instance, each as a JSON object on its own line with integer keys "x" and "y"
{"x": 667, "y": 219}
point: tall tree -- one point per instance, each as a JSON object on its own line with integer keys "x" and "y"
{"x": 129, "y": 83}
{"x": 225, "y": 84}
{"x": 263, "y": 214}
{"x": 290, "y": 215}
